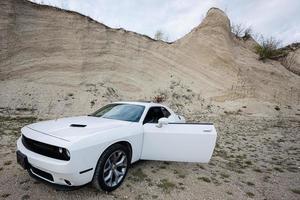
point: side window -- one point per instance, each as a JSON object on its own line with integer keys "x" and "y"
{"x": 153, "y": 115}
{"x": 165, "y": 112}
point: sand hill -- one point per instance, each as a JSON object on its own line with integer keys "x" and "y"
{"x": 56, "y": 62}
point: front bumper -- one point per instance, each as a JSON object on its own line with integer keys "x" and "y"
{"x": 55, "y": 171}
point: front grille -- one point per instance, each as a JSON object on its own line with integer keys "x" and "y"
{"x": 41, "y": 173}
{"x": 44, "y": 149}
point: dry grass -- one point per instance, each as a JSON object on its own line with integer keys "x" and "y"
{"x": 268, "y": 49}
{"x": 166, "y": 185}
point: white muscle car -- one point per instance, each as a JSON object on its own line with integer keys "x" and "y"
{"x": 99, "y": 148}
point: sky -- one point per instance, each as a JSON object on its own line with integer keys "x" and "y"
{"x": 175, "y": 18}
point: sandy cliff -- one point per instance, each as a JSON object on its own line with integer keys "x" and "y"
{"x": 56, "y": 62}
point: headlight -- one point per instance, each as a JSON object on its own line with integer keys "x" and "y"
{"x": 68, "y": 153}
{"x": 65, "y": 153}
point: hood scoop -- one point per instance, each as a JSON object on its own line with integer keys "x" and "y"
{"x": 78, "y": 125}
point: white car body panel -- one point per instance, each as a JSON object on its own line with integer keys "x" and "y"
{"x": 60, "y": 128}
{"x": 171, "y": 142}
{"x": 179, "y": 142}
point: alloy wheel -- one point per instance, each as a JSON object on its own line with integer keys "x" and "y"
{"x": 115, "y": 168}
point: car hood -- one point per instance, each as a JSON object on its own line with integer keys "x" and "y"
{"x": 73, "y": 128}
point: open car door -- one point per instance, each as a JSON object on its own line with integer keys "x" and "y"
{"x": 182, "y": 142}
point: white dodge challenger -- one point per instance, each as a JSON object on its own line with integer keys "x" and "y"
{"x": 100, "y": 147}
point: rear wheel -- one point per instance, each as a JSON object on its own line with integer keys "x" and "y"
{"x": 112, "y": 168}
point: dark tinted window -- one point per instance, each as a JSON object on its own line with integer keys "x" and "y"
{"x": 124, "y": 112}
{"x": 155, "y": 113}
{"x": 165, "y": 112}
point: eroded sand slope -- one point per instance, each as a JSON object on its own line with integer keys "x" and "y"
{"x": 55, "y": 62}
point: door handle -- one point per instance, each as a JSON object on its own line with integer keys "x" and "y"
{"x": 207, "y": 130}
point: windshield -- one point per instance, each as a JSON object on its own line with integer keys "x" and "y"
{"x": 124, "y": 112}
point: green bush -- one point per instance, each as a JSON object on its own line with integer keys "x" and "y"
{"x": 160, "y": 35}
{"x": 268, "y": 49}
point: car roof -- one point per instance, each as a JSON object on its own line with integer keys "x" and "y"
{"x": 142, "y": 103}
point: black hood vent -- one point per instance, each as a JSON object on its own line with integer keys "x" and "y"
{"x": 78, "y": 125}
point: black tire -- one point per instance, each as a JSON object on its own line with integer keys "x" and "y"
{"x": 98, "y": 179}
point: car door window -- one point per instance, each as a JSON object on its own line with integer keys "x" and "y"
{"x": 165, "y": 112}
{"x": 153, "y": 115}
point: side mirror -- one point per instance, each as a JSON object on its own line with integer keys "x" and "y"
{"x": 162, "y": 121}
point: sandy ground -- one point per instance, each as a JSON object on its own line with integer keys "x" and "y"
{"x": 255, "y": 158}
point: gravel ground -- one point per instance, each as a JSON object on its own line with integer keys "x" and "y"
{"x": 255, "y": 158}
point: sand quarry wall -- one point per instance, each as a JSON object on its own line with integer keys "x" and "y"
{"x": 56, "y": 62}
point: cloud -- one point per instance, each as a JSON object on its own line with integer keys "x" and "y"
{"x": 176, "y": 18}
{"x": 276, "y": 18}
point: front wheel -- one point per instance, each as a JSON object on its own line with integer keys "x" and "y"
{"x": 111, "y": 168}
